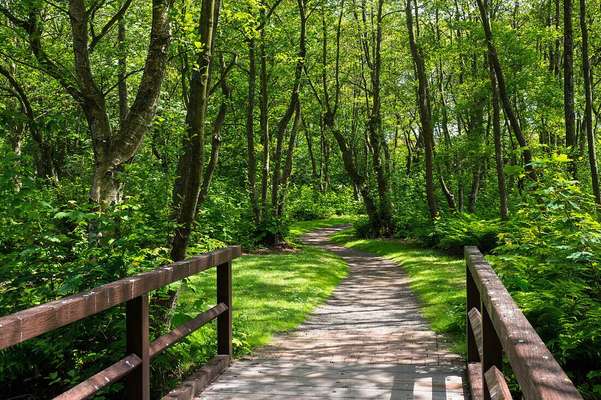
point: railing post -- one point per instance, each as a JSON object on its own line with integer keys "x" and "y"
{"x": 138, "y": 382}
{"x": 492, "y": 350}
{"x": 224, "y": 321}
{"x": 473, "y": 301}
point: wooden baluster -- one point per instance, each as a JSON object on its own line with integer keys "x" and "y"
{"x": 224, "y": 321}
{"x": 492, "y": 349}
{"x": 473, "y": 301}
{"x": 138, "y": 382}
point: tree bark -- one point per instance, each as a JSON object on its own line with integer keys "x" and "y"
{"x": 375, "y": 132}
{"x": 507, "y": 107}
{"x": 588, "y": 97}
{"x": 284, "y": 121}
{"x": 250, "y": 133}
{"x": 424, "y": 112}
{"x": 191, "y": 163}
{"x": 43, "y": 161}
{"x": 122, "y": 68}
{"x": 496, "y": 123}
{"x": 568, "y": 83}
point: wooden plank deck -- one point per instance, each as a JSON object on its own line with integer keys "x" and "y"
{"x": 368, "y": 341}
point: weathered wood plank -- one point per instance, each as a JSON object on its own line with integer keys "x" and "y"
{"x": 497, "y": 386}
{"x": 332, "y": 392}
{"x": 224, "y": 321}
{"x": 105, "y": 377}
{"x": 475, "y": 320}
{"x": 472, "y": 302}
{"x": 474, "y": 376}
{"x": 27, "y": 324}
{"x": 538, "y": 373}
{"x": 137, "y": 327}
{"x": 200, "y": 380}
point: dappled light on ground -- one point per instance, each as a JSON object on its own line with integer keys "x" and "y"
{"x": 368, "y": 341}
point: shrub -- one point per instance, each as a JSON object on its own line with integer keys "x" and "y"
{"x": 305, "y": 203}
{"x": 456, "y": 231}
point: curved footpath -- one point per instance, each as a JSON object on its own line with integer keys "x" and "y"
{"x": 368, "y": 341}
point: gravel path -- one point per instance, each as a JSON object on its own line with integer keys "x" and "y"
{"x": 368, "y": 341}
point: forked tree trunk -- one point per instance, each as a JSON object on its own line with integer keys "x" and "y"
{"x": 279, "y": 176}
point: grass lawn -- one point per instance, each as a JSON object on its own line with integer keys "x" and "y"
{"x": 437, "y": 280}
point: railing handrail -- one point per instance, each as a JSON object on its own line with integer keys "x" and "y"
{"x": 30, "y": 323}
{"x": 496, "y": 325}
{"x": 27, "y": 324}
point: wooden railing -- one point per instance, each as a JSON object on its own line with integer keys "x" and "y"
{"x": 133, "y": 291}
{"x": 496, "y": 326}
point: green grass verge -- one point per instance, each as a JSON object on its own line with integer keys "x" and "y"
{"x": 437, "y": 280}
{"x": 301, "y": 227}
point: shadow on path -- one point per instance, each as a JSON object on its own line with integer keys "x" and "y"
{"x": 368, "y": 341}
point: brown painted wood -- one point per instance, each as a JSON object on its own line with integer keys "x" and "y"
{"x": 497, "y": 386}
{"x": 185, "y": 329}
{"x": 27, "y": 324}
{"x": 224, "y": 321}
{"x": 137, "y": 324}
{"x": 472, "y": 302}
{"x": 196, "y": 383}
{"x": 538, "y": 373}
{"x": 492, "y": 351}
{"x": 105, "y": 377}
{"x": 475, "y": 323}
{"x": 474, "y": 376}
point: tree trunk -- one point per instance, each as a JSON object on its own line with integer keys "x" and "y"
{"x": 264, "y": 124}
{"x": 296, "y": 125}
{"x": 293, "y": 105}
{"x": 122, "y": 68}
{"x": 447, "y": 193}
{"x": 424, "y": 112}
{"x": 496, "y": 123}
{"x": 191, "y": 163}
{"x": 568, "y": 84}
{"x": 475, "y": 189}
{"x": 42, "y": 155}
{"x": 375, "y": 133}
{"x": 250, "y": 132}
{"x": 315, "y": 176}
{"x": 588, "y": 97}
{"x": 507, "y": 107}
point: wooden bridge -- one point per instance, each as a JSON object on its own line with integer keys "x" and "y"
{"x": 367, "y": 342}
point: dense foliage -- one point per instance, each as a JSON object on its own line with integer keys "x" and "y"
{"x": 138, "y": 132}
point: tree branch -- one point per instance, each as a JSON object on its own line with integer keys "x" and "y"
{"x": 109, "y": 25}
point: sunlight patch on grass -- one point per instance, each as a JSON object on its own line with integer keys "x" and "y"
{"x": 437, "y": 280}
{"x": 272, "y": 293}
{"x": 301, "y": 227}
